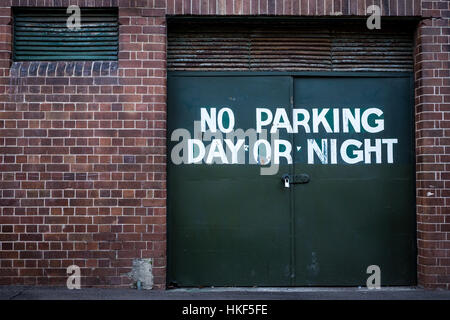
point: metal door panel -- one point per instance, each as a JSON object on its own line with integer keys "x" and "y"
{"x": 349, "y": 217}
{"x": 228, "y": 224}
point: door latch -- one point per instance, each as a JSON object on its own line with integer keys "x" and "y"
{"x": 294, "y": 179}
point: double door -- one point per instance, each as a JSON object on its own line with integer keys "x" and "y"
{"x": 321, "y": 187}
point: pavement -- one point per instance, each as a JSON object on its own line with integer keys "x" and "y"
{"x": 62, "y": 293}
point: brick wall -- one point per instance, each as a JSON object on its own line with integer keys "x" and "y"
{"x": 291, "y": 7}
{"x": 433, "y": 144}
{"x": 83, "y": 159}
{"x": 83, "y": 144}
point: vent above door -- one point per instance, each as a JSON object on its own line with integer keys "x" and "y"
{"x": 337, "y": 46}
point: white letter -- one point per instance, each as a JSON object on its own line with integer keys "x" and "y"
{"x": 354, "y": 120}
{"x": 230, "y": 117}
{"x": 320, "y": 118}
{"x": 273, "y": 168}
{"x": 210, "y": 119}
{"x": 321, "y": 153}
{"x": 259, "y": 122}
{"x": 368, "y": 149}
{"x": 286, "y": 153}
{"x": 234, "y": 149}
{"x": 281, "y": 120}
{"x": 336, "y": 120}
{"x": 359, "y": 154}
{"x": 333, "y": 151}
{"x": 304, "y": 122}
{"x": 390, "y": 149}
{"x": 365, "y": 120}
{"x": 201, "y": 152}
{"x": 216, "y": 150}
{"x": 259, "y": 158}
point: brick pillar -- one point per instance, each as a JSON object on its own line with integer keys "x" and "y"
{"x": 432, "y": 72}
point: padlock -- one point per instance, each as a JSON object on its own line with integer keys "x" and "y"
{"x": 286, "y": 182}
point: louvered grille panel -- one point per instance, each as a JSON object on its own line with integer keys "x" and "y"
{"x": 208, "y": 49}
{"x": 289, "y": 47}
{"x": 372, "y": 51}
{"x": 282, "y": 49}
{"x": 42, "y": 35}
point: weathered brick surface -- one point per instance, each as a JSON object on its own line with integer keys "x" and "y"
{"x": 83, "y": 154}
{"x": 433, "y": 144}
{"x": 291, "y": 7}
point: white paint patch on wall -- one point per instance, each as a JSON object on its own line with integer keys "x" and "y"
{"x": 141, "y": 273}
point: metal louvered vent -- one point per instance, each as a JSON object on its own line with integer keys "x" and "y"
{"x": 41, "y": 34}
{"x": 208, "y": 48}
{"x": 372, "y": 51}
{"x": 339, "y": 46}
{"x": 282, "y": 49}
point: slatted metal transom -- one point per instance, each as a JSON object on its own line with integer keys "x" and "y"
{"x": 339, "y": 46}
{"x": 41, "y": 34}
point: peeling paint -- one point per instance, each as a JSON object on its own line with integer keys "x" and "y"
{"x": 314, "y": 268}
{"x": 141, "y": 273}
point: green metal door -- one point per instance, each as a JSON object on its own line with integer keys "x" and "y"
{"x": 236, "y": 222}
{"x": 355, "y": 212}
{"x": 227, "y": 224}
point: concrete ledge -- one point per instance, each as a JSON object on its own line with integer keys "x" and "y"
{"x": 61, "y": 293}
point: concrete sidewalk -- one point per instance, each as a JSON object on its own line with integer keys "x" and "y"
{"x": 61, "y": 293}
